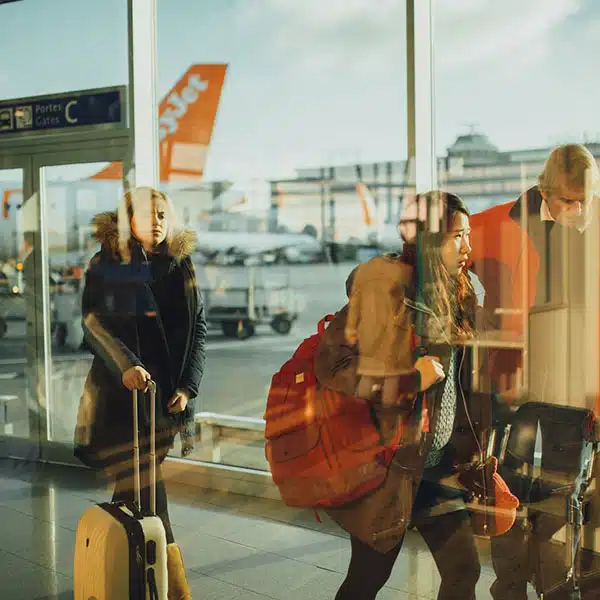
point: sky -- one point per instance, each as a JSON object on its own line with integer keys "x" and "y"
{"x": 313, "y": 82}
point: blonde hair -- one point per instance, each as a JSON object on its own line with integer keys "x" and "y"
{"x": 572, "y": 166}
{"x": 132, "y": 200}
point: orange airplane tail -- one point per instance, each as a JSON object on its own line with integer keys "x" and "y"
{"x": 367, "y": 203}
{"x": 9, "y": 202}
{"x": 186, "y": 121}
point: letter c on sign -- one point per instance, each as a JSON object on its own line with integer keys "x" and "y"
{"x": 68, "y": 116}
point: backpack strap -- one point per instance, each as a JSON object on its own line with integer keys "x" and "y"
{"x": 323, "y": 322}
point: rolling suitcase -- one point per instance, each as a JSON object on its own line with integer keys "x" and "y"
{"x": 120, "y": 550}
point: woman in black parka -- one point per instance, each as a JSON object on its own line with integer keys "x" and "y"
{"x": 143, "y": 319}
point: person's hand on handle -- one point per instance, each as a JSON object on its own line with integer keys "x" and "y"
{"x": 431, "y": 371}
{"x": 136, "y": 378}
{"x": 178, "y": 401}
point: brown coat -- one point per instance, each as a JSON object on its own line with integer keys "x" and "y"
{"x": 380, "y": 518}
{"x": 379, "y": 317}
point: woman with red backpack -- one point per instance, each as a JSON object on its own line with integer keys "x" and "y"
{"x": 401, "y": 335}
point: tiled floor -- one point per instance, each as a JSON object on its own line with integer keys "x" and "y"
{"x": 234, "y": 547}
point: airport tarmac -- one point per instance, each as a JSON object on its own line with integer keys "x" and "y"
{"x": 237, "y": 375}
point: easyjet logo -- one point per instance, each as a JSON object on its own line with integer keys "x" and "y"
{"x": 179, "y": 103}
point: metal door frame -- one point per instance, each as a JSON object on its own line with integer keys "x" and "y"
{"x": 33, "y": 154}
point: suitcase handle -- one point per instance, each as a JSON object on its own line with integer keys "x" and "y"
{"x": 136, "y": 449}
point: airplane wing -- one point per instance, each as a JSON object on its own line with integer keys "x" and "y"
{"x": 186, "y": 121}
{"x": 232, "y": 199}
{"x": 254, "y": 244}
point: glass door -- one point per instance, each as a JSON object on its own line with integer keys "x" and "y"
{"x": 48, "y": 201}
{"x": 20, "y": 307}
{"x": 73, "y": 187}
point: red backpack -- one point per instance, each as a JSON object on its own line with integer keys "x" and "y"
{"x": 323, "y": 447}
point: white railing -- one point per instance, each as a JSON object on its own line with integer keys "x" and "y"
{"x": 216, "y": 428}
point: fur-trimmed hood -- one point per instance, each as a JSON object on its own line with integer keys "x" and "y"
{"x": 180, "y": 244}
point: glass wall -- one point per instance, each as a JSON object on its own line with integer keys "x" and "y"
{"x": 52, "y": 57}
{"x": 283, "y": 146}
{"x": 504, "y": 101}
{"x": 56, "y": 48}
{"x": 43, "y": 359}
{"x": 503, "y": 104}
{"x": 518, "y": 136}
{"x": 72, "y": 198}
{"x": 286, "y": 154}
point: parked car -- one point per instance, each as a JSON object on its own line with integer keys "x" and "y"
{"x": 65, "y": 307}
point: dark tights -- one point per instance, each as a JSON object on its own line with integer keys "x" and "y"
{"x": 449, "y": 537}
{"x": 124, "y": 493}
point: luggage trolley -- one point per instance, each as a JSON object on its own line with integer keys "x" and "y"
{"x": 238, "y": 298}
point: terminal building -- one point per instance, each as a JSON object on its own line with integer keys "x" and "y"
{"x": 473, "y": 168}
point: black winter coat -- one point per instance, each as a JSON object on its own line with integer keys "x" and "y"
{"x": 144, "y": 311}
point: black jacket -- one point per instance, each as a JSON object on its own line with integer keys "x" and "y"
{"x": 138, "y": 310}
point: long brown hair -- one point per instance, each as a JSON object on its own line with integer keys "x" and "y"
{"x": 451, "y": 298}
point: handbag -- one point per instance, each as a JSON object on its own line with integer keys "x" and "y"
{"x": 491, "y": 504}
